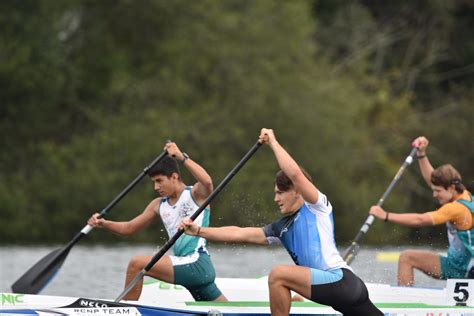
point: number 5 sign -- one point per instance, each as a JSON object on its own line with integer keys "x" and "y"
{"x": 460, "y": 292}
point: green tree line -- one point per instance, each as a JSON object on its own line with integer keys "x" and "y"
{"x": 91, "y": 90}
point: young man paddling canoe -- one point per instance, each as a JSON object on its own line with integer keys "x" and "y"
{"x": 306, "y": 231}
{"x": 457, "y": 209}
{"x": 191, "y": 265}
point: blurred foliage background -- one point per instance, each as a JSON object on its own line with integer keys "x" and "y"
{"x": 90, "y": 91}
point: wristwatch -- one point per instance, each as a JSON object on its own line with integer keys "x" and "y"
{"x": 186, "y": 157}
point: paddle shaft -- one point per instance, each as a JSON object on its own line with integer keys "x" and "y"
{"x": 353, "y": 249}
{"x": 129, "y": 187}
{"x": 117, "y": 199}
{"x": 178, "y": 234}
{"x": 39, "y": 275}
{"x": 114, "y": 202}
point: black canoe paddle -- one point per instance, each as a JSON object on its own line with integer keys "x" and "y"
{"x": 353, "y": 249}
{"x": 178, "y": 234}
{"x": 39, "y": 275}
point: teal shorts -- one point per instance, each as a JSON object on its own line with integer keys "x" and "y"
{"x": 449, "y": 270}
{"x": 196, "y": 273}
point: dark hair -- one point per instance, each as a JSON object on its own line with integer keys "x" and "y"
{"x": 165, "y": 167}
{"x": 284, "y": 183}
{"x": 445, "y": 176}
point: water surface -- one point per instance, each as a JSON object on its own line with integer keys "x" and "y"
{"x": 99, "y": 271}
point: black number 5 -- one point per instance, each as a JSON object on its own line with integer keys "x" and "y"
{"x": 458, "y": 289}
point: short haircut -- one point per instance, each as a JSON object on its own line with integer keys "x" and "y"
{"x": 445, "y": 176}
{"x": 284, "y": 183}
{"x": 165, "y": 167}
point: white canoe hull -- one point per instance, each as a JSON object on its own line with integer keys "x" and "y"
{"x": 248, "y": 297}
{"x": 239, "y": 289}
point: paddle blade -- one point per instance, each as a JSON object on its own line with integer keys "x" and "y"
{"x": 39, "y": 275}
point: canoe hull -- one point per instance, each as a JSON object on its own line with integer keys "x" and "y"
{"x": 247, "y": 297}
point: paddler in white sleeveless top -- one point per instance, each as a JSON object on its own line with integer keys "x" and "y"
{"x": 190, "y": 265}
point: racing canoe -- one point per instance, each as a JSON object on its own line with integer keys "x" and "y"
{"x": 247, "y": 297}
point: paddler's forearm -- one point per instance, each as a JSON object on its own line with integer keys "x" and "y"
{"x": 199, "y": 173}
{"x": 118, "y": 228}
{"x": 221, "y": 234}
{"x": 426, "y": 168}
{"x": 410, "y": 219}
{"x": 286, "y": 163}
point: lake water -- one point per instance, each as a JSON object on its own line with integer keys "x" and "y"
{"x": 99, "y": 271}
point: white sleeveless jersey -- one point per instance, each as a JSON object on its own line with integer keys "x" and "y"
{"x": 171, "y": 215}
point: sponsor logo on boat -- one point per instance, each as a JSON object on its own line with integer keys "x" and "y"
{"x": 105, "y": 311}
{"x": 83, "y": 302}
{"x": 11, "y": 299}
{"x": 87, "y": 303}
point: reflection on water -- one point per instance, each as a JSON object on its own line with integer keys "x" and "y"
{"x": 99, "y": 271}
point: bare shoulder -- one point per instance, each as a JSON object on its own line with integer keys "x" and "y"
{"x": 154, "y": 205}
{"x": 199, "y": 193}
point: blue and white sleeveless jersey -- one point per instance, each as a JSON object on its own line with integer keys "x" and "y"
{"x": 171, "y": 215}
{"x": 308, "y": 236}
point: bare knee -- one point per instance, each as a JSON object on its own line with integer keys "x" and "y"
{"x": 276, "y": 275}
{"x": 135, "y": 264}
{"x": 407, "y": 257}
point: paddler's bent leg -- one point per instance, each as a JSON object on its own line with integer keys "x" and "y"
{"x": 281, "y": 280}
{"x": 339, "y": 288}
{"x": 197, "y": 274}
{"x": 162, "y": 270}
{"x": 426, "y": 261}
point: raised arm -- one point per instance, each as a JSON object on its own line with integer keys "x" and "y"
{"x": 203, "y": 187}
{"x": 253, "y": 235}
{"x": 289, "y": 166}
{"x": 130, "y": 227}
{"x": 425, "y": 166}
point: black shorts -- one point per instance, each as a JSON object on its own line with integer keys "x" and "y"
{"x": 348, "y": 296}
